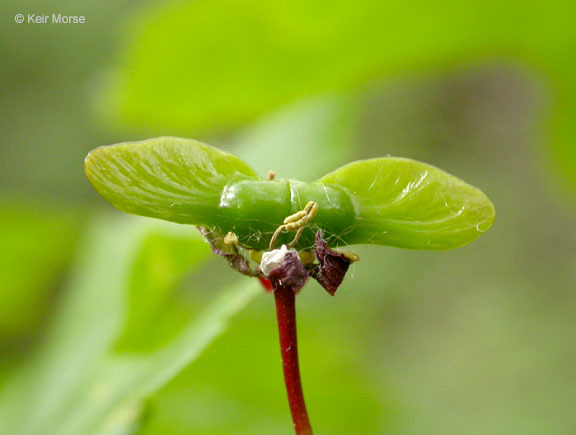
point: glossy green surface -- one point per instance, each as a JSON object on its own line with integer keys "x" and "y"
{"x": 409, "y": 204}
{"x": 254, "y": 209}
{"x": 388, "y": 201}
{"x": 174, "y": 179}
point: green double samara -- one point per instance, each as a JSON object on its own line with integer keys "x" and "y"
{"x": 387, "y": 201}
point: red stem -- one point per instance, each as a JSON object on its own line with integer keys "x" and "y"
{"x": 286, "y": 313}
{"x": 266, "y": 284}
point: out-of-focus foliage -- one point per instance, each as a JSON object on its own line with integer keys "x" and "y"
{"x": 47, "y": 77}
{"x": 79, "y": 381}
{"x": 240, "y": 375}
{"x": 220, "y": 61}
{"x": 311, "y": 137}
{"x": 156, "y": 295}
{"x": 210, "y": 64}
{"x": 37, "y": 243}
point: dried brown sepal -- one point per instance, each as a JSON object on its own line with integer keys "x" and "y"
{"x": 332, "y": 265}
{"x": 290, "y": 275}
{"x": 229, "y": 251}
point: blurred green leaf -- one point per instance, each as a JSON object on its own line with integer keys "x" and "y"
{"x": 77, "y": 382}
{"x": 303, "y": 140}
{"x": 37, "y": 242}
{"x": 215, "y": 396}
{"x": 561, "y": 126}
{"x": 267, "y": 53}
{"x": 405, "y": 203}
{"x": 157, "y": 308}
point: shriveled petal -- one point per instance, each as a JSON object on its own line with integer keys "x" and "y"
{"x": 291, "y": 274}
{"x": 332, "y": 265}
{"x": 230, "y": 253}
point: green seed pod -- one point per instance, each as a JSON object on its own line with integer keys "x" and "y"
{"x": 386, "y": 201}
{"x": 254, "y": 209}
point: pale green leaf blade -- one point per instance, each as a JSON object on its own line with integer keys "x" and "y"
{"x": 409, "y": 204}
{"x": 178, "y": 180}
{"x": 167, "y": 255}
{"x": 79, "y": 382}
{"x": 124, "y": 381}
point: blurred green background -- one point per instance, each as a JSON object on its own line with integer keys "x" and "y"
{"x": 113, "y": 324}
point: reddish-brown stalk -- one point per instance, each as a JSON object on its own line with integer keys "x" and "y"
{"x": 286, "y": 315}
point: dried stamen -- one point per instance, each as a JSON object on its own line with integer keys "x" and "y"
{"x": 296, "y": 221}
